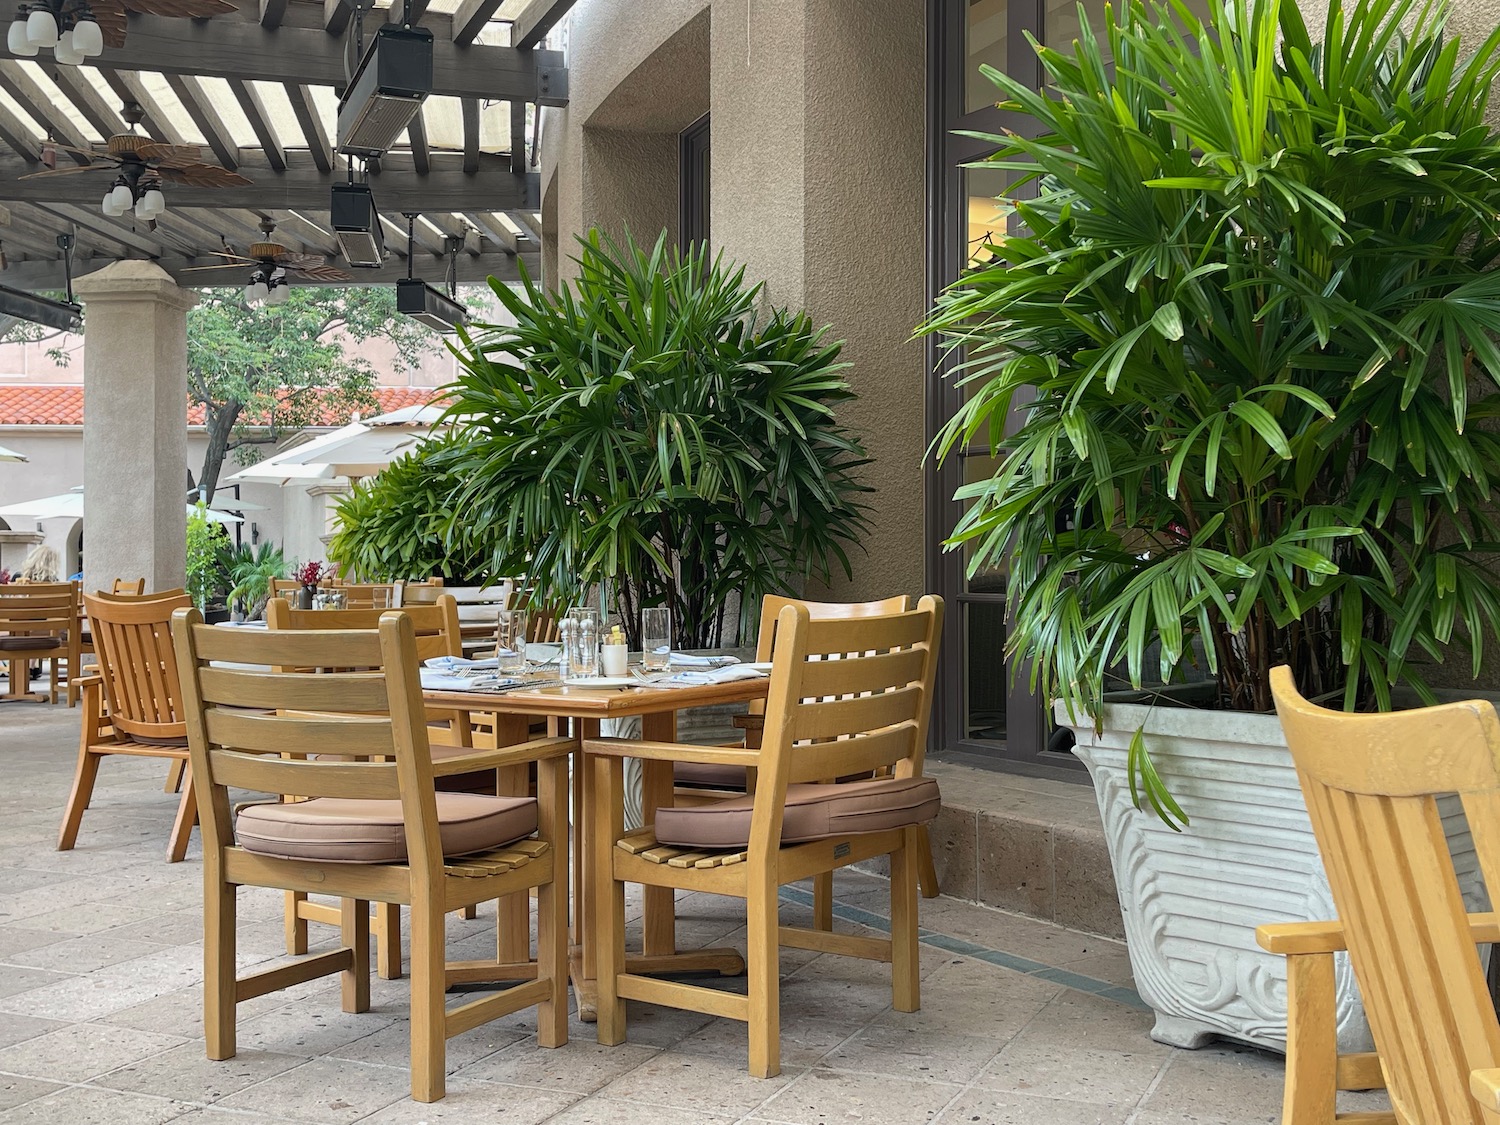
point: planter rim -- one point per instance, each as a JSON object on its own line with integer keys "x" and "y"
{"x": 1188, "y": 722}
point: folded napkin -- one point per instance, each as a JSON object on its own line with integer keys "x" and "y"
{"x": 687, "y": 660}
{"x": 450, "y": 663}
{"x": 436, "y": 680}
{"x": 721, "y": 675}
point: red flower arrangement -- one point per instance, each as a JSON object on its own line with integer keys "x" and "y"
{"x": 311, "y": 573}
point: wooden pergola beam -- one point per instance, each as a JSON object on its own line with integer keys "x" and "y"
{"x": 272, "y": 12}
{"x": 336, "y": 16}
{"x": 38, "y": 106}
{"x": 194, "y": 98}
{"x": 41, "y": 274}
{"x": 497, "y": 231}
{"x": 470, "y": 110}
{"x": 260, "y": 121}
{"x": 312, "y": 126}
{"x": 471, "y": 18}
{"x": 17, "y": 137}
{"x": 157, "y": 122}
{"x": 518, "y": 137}
{"x": 533, "y": 22}
{"x": 93, "y": 108}
{"x": 238, "y": 47}
{"x": 416, "y": 136}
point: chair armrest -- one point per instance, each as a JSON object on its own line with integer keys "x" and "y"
{"x": 750, "y": 722}
{"x": 673, "y": 752}
{"x": 86, "y": 681}
{"x": 1485, "y": 1086}
{"x": 522, "y": 754}
{"x": 1293, "y": 938}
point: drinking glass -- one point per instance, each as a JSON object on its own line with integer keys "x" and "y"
{"x": 380, "y": 598}
{"x": 581, "y": 643}
{"x": 656, "y": 638}
{"x": 510, "y": 639}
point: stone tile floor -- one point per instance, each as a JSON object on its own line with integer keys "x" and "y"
{"x": 100, "y": 1008}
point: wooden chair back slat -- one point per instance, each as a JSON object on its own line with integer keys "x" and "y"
{"x": 264, "y": 773}
{"x": 347, "y": 736}
{"x": 436, "y": 625}
{"x": 860, "y": 754}
{"x": 128, "y": 587}
{"x": 312, "y": 648}
{"x": 817, "y": 720}
{"x": 1371, "y": 783}
{"x": 356, "y": 692}
{"x": 34, "y": 608}
{"x": 849, "y": 675}
{"x": 137, "y": 663}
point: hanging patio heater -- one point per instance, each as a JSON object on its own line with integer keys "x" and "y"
{"x": 387, "y": 91}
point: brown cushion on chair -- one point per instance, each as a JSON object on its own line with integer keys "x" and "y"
{"x": 28, "y": 644}
{"x": 159, "y": 740}
{"x": 709, "y": 775}
{"x": 813, "y": 812}
{"x": 334, "y": 830}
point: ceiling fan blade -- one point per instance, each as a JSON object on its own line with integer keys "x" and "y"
{"x": 301, "y": 261}
{"x": 92, "y": 153}
{"x": 202, "y": 175}
{"x": 320, "y": 273}
{"x": 110, "y": 16}
{"x": 223, "y": 266}
{"x": 171, "y": 156}
{"x": 74, "y": 169}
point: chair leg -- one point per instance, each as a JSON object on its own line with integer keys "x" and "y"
{"x": 608, "y": 907}
{"x": 78, "y": 800}
{"x": 354, "y": 932}
{"x": 218, "y": 965}
{"x": 182, "y": 827}
{"x": 927, "y": 876}
{"x": 296, "y": 925}
{"x": 823, "y": 901}
{"x": 388, "y": 940}
{"x": 552, "y": 905}
{"x": 762, "y": 968}
{"x": 429, "y": 1043}
{"x": 1312, "y": 1050}
{"x": 906, "y": 955}
{"x": 470, "y": 912}
{"x": 513, "y": 929}
{"x": 174, "y": 776}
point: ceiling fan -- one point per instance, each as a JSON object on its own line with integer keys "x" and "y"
{"x": 273, "y": 265}
{"x": 79, "y": 29}
{"x": 141, "y": 167}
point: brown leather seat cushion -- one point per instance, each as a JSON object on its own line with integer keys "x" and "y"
{"x": 334, "y": 830}
{"x": 159, "y": 739}
{"x": 709, "y": 775}
{"x": 29, "y": 644}
{"x": 813, "y": 812}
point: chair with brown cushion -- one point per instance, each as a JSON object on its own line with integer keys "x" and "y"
{"x": 847, "y": 697}
{"x": 132, "y": 704}
{"x": 1372, "y": 783}
{"x": 81, "y": 641}
{"x": 36, "y": 620}
{"x": 373, "y": 826}
{"x": 696, "y": 782}
{"x": 437, "y": 633}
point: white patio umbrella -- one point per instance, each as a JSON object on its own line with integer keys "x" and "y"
{"x": 360, "y": 449}
{"x": 10, "y": 455}
{"x": 69, "y": 505}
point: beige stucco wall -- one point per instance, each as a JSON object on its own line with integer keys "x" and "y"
{"x": 817, "y": 188}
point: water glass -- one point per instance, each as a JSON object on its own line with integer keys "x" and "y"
{"x": 380, "y": 597}
{"x": 510, "y": 639}
{"x": 580, "y": 631}
{"x": 656, "y": 638}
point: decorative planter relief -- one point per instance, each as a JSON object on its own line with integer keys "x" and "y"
{"x": 1191, "y": 900}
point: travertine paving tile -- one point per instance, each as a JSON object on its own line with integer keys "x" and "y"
{"x": 609, "y": 1111}
{"x": 189, "y": 1071}
{"x": 479, "y": 1103}
{"x": 827, "y": 1095}
{"x": 324, "y": 1090}
{"x": 81, "y": 1051}
{"x": 85, "y": 1105}
{"x": 580, "y": 1067}
{"x": 993, "y": 1108}
{"x": 701, "y": 1083}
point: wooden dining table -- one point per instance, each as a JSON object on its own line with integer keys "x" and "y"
{"x": 579, "y": 711}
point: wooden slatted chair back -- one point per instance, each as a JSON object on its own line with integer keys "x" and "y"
{"x": 29, "y": 609}
{"x": 133, "y": 647}
{"x": 1371, "y": 783}
{"x": 308, "y": 734}
{"x": 135, "y": 587}
{"x": 848, "y": 696}
{"x": 435, "y": 626}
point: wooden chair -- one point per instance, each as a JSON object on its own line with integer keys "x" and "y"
{"x": 697, "y": 783}
{"x": 36, "y": 620}
{"x": 132, "y": 704}
{"x": 81, "y": 642}
{"x": 437, "y": 633}
{"x": 374, "y": 828}
{"x": 863, "y": 712}
{"x": 1371, "y": 783}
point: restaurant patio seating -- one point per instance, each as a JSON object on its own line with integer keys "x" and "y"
{"x": 1371, "y": 783}
{"x": 436, "y": 629}
{"x": 36, "y": 620}
{"x": 132, "y": 704}
{"x": 374, "y": 826}
{"x": 81, "y": 642}
{"x": 864, "y": 711}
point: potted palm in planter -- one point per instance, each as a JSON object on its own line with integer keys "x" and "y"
{"x": 1252, "y": 291}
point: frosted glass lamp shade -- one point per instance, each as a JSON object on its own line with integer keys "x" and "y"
{"x": 41, "y": 28}
{"x": 18, "y": 40}
{"x": 88, "y": 39}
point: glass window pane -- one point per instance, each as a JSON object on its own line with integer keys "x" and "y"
{"x": 984, "y": 42}
{"x": 985, "y": 217}
{"x": 986, "y": 676}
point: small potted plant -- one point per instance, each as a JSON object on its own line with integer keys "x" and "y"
{"x": 1252, "y": 292}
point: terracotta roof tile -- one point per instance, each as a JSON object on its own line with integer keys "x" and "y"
{"x": 36, "y": 404}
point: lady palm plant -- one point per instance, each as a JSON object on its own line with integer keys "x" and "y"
{"x": 646, "y": 429}
{"x": 1254, "y": 294}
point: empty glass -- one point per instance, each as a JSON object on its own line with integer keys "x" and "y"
{"x": 580, "y": 637}
{"x": 380, "y": 597}
{"x": 510, "y": 639}
{"x": 656, "y": 638}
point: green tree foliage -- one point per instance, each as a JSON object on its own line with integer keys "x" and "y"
{"x": 204, "y": 573}
{"x": 263, "y": 373}
{"x": 1256, "y": 299}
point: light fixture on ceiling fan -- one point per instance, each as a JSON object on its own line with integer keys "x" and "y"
{"x": 66, "y": 26}
{"x": 272, "y": 268}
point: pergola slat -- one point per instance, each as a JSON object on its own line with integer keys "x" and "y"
{"x": 529, "y": 223}
{"x": 416, "y": 136}
{"x": 534, "y": 21}
{"x": 272, "y": 12}
{"x": 496, "y": 231}
{"x": 336, "y": 16}
{"x": 315, "y": 239}
{"x": 471, "y": 18}
{"x": 102, "y": 225}
{"x": 260, "y": 121}
{"x": 518, "y": 137}
{"x": 195, "y": 99}
{"x": 38, "y": 106}
{"x": 157, "y": 123}
{"x": 94, "y": 109}
{"x": 312, "y": 126}
{"x": 471, "y": 136}
{"x": 17, "y": 137}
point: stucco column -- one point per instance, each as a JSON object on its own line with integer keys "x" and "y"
{"x": 134, "y": 425}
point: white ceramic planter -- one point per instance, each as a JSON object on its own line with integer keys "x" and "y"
{"x": 1191, "y": 900}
